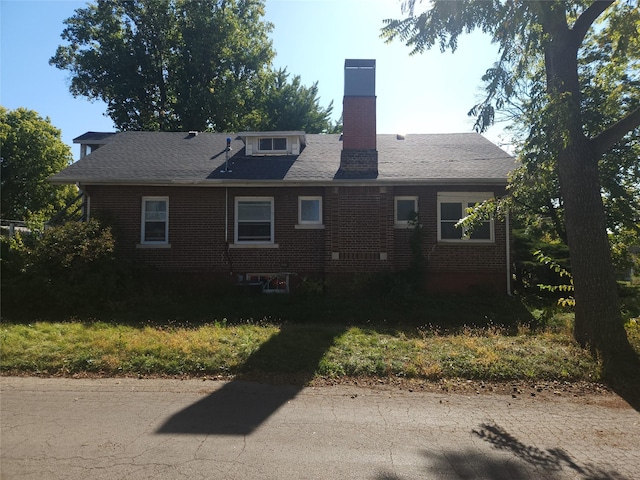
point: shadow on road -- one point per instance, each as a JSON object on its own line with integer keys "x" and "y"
{"x": 533, "y": 464}
{"x": 468, "y": 464}
{"x": 238, "y": 408}
{"x": 549, "y": 461}
{"x": 241, "y": 406}
{"x": 623, "y": 377}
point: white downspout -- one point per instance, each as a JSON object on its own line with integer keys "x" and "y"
{"x": 226, "y": 217}
{"x": 508, "y": 252}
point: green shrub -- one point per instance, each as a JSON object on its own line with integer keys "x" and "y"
{"x": 71, "y": 265}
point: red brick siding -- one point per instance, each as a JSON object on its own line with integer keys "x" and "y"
{"x": 197, "y": 229}
{"x": 359, "y": 226}
{"x": 357, "y": 219}
{"x": 359, "y": 123}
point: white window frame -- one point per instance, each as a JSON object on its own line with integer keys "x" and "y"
{"x": 272, "y": 150}
{"x": 239, "y": 200}
{"x": 308, "y": 199}
{"x": 403, "y": 223}
{"x": 464, "y": 198}
{"x": 143, "y": 241}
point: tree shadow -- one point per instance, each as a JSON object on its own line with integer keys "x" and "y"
{"x": 534, "y": 463}
{"x": 547, "y": 461}
{"x": 622, "y": 375}
{"x": 471, "y": 465}
{"x": 242, "y": 405}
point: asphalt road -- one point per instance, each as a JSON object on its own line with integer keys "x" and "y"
{"x": 194, "y": 429}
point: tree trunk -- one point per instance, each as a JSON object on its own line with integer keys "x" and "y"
{"x": 598, "y": 322}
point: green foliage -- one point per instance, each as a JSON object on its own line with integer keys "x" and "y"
{"x": 400, "y": 287}
{"x": 568, "y": 74}
{"x": 292, "y": 352}
{"x": 68, "y": 267}
{"x": 529, "y": 272}
{"x": 311, "y": 287}
{"x": 562, "y": 272}
{"x": 416, "y": 243}
{"x": 289, "y": 105}
{"x": 166, "y": 65}
{"x": 623, "y": 244}
{"x": 32, "y": 151}
{"x": 630, "y": 303}
{"x": 495, "y": 207}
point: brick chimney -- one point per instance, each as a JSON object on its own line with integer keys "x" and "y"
{"x": 359, "y": 156}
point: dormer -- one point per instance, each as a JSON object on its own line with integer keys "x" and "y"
{"x": 273, "y": 143}
{"x": 91, "y": 141}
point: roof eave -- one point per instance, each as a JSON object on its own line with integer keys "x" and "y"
{"x": 282, "y": 183}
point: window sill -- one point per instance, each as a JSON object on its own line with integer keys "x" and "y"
{"x": 468, "y": 242}
{"x": 309, "y": 226}
{"x": 153, "y": 245}
{"x": 254, "y": 245}
{"x": 403, "y": 226}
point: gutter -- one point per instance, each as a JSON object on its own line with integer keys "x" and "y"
{"x": 287, "y": 183}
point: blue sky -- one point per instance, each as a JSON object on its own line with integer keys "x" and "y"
{"x": 426, "y": 93}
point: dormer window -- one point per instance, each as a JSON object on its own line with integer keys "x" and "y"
{"x": 272, "y": 144}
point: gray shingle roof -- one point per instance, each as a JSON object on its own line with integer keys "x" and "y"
{"x": 93, "y": 137}
{"x": 176, "y": 157}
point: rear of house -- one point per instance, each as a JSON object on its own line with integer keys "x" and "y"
{"x": 273, "y": 208}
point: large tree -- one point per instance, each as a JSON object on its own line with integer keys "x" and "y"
{"x": 552, "y": 35}
{"x": 169, "y": 64}
{"x": 32, "y": 150}
{"x": 185, "y": 65}
{"x": 289, "y": 105}
{"x": 609, "y": 83}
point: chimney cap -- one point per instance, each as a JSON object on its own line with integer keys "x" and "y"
{"x": 359, "y": 78}
{"x": 359, "y": 63}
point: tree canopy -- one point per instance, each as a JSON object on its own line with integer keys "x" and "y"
{"x": 561, "y": 56}
{"x": 289, "y": 105}
{"x": 610, "y": 85}
{"x": 32, "y": 150}
{"x": 167, "y": 65}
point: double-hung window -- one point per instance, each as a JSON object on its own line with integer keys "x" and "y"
{"x": 452, "y": 208}
{"x": 254, "y": 220}
{"x": 405, "y": 210}
{"x": 155, "y": 221}
{"x": 310, "y": 210}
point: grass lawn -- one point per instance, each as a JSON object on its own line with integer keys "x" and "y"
{"x": 478, "y": 338}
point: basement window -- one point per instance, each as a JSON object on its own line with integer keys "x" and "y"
{"x": 268, "y": 282}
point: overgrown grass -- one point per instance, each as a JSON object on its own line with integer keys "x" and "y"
{"x": 310, "y": 350}
{"x": 73, "y": 347}
{"x": 483, "y": 338}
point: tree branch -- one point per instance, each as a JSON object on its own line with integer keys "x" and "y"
{"x": 608, "y": 138}
{"x": 584, "y": 21}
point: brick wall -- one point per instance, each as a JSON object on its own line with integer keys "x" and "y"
{"x": 365, "y": 161}
{"x": 359, "y": 123}
{"x": 358, "y": 235}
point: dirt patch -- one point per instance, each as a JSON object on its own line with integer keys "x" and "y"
{"x": 588, "y": 393}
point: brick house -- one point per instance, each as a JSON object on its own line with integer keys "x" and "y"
{"x": 272, "y": 208}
